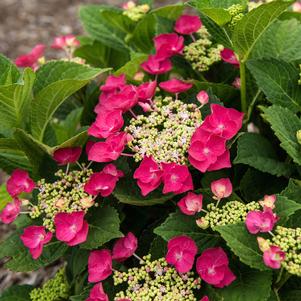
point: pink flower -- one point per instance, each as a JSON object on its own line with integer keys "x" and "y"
{"x": 236, "y": 83}
{"x": 99, "y": 265}
{"x": 212, "y": 266}
{"x": 261, "y": 221}
{"x": 106, "y": 123}
{"x": 191, "y": 203}
{"x": 125, "y": 247}
{"x": 223, "y": 121}
{"x": 146, "y": 91}
{"x": 175, "y": 86}
{"x": 34, "y": 238}
{"x": 297, "y": 7}
{"x": 208, "y": 152}
{"x": 229, "y": 56}
{"x": 67, "y": 155}
{"x": 176, "y": 178}
{"x": 62, "y": 42}
{"x": 97, "y": 293}
{"x": 146, "y": 107}
{"x": 221, "y": 188}
{"x": 205, "y": 298}
{"x": 10, "y": 211}
{"x": 187, "y": 25}
{"x": 268, "y": 201}
{"x": 156, "y": 65}
{"x": 31, "y": 59}
{"x": 168, "y": 44}
{"x": 202, "y": 97}
{"x": 181, "y": 253}
{"x": 114, "y": 83}
{"x": 110, "y": 149}
{"x": 19, "y": 182}
{"x": 103, "y": 182}
{"x": 71, "y": 228}
{"x": 273, "y": 257}
{"x": 148, "y": 175}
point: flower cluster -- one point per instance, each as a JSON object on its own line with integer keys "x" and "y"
{"x": 202, "y": 53}
{"x": 135, "y": 12}
{"x": 165, "y": 133}
{"x": 54, "y": 289}
{"x": 236, "y": 12}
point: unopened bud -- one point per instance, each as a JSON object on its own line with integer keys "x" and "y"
{"x": 203, "y": 97}
{"x": 202, "y": 223}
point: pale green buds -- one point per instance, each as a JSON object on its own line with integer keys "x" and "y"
{"x": 298, "y": 135}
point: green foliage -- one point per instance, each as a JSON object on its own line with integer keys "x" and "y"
{"x": 16, "y": 293}
{"x": 9, "y": 72}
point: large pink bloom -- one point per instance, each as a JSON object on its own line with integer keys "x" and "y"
{"x": 205, "y": 298}
{"x": 168, "y": 44}
{"x": 229, "y": 56}
{"x": 191, "y": 203}
{"x": 125, "y": 247}
{"x": 31, "y": 59}
{"x": 113, "y": 83}
{"x": 71, "y": 228}
{"x": 181, "y": 253}
{"x": 223, "y": 121}
{"x": 110, "y": 149}
{"x": 106, "y": 123}
{"x": 97, "y": 293}
{"x": 176, "y": 178}
{"x": 10, "y": 211}
{"x": 175, "y": 86}
{"x": 146, "y": 91}
{"x": 212, "y": 266}
{"x": 99, "y": 265}
{"x": 103, "y": 182}
{"x": 62, "y": 42}
{"x": 156, "y": 65}
{"x": 67, "y": 155}
{"x": 19, "y": 182}
{"x": 273, "y": 257}
{"x": 187, "y": 25}
{"x": 261, "y": 221}
{"x": 148, "y": 175}
{"x": 221, "y": 188}
{"x": 34, "y": 238}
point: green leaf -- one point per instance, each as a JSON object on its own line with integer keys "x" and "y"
{"x": 15, "y": 102}
{"x": 9, "y": 72}
{"x": 253, "y": 25}
{"x": 256, "y": 151}
{"x": 55, "y": 82}
{"x": 276, "y": 43}
{"x": 103, "y": 227}
{"x": 292, "y": 295}
{"x": 293, "y": 190}
{"x": 243, "y": 244}
{"x": 180, "y": 224}
{"x": 5, "y": 198}
{"x": 286, "y": 207}
{"x": 250, "y": 285}
{"x": 17, "y": 293}
{"x": 278, "y": 80}
{"x": 171, "y": 12}
{"x": 285, "y": 125}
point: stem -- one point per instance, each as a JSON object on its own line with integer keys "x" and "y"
{"x": 192, "y": 37}
{"x": 251, "y": 106}
{"x": 127, "y": 155}
{"x": 243, "y": 87}
{"x": 67, "y": 168}
{"x": 139, "y": 258}
{"x": 133, "y": 114}
{"x": 78, "y": 164}
{"x": 90, "y": 163}
{"x": 271, "y": 233}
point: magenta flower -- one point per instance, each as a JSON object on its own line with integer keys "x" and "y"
{"x": 191, "y": 203}
{"x": 67, "y": 155}
{"x": 110, "y": 149}
{"x": 103, "y": 182}
{"x": 99, "y": 265}
{"x": 148, "y": 175}
{"x": 156, "y": 65}
{"x": 205, "y": 298}
{"x": 175, "y": 86}
{"x": 113, "y": 83}
{"x": 181, "y": 253}
{"x": 106, "y": 123}
{"x": 229, "y": 56}
{"x": 125, "y": 247}
{"x": 19, "y": 182}
{"x": 261, "y": 221}
{"x": 202, "y": 97}
{"x": 176, "y": 178}
{"x": 34, "y": 238}
{"x": 212, "y": 266}
{"x": 223, "y": 121}
{"x": 11, "y": 211}
{"x": 31, "y": 59}
{"x": 208, "y": 152}
{"x": 63, "y": 42}
{"x": 273, "y": 257}
{"x": 236, "y": 83}
{"x": 187, "y": 25}
{"x": 97, "y": 293}
{"x": 146, "y": 91}
{"x": 221, "y": 188}
{"x": 71, "y": 228}
{"x": 168, "y": 44}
